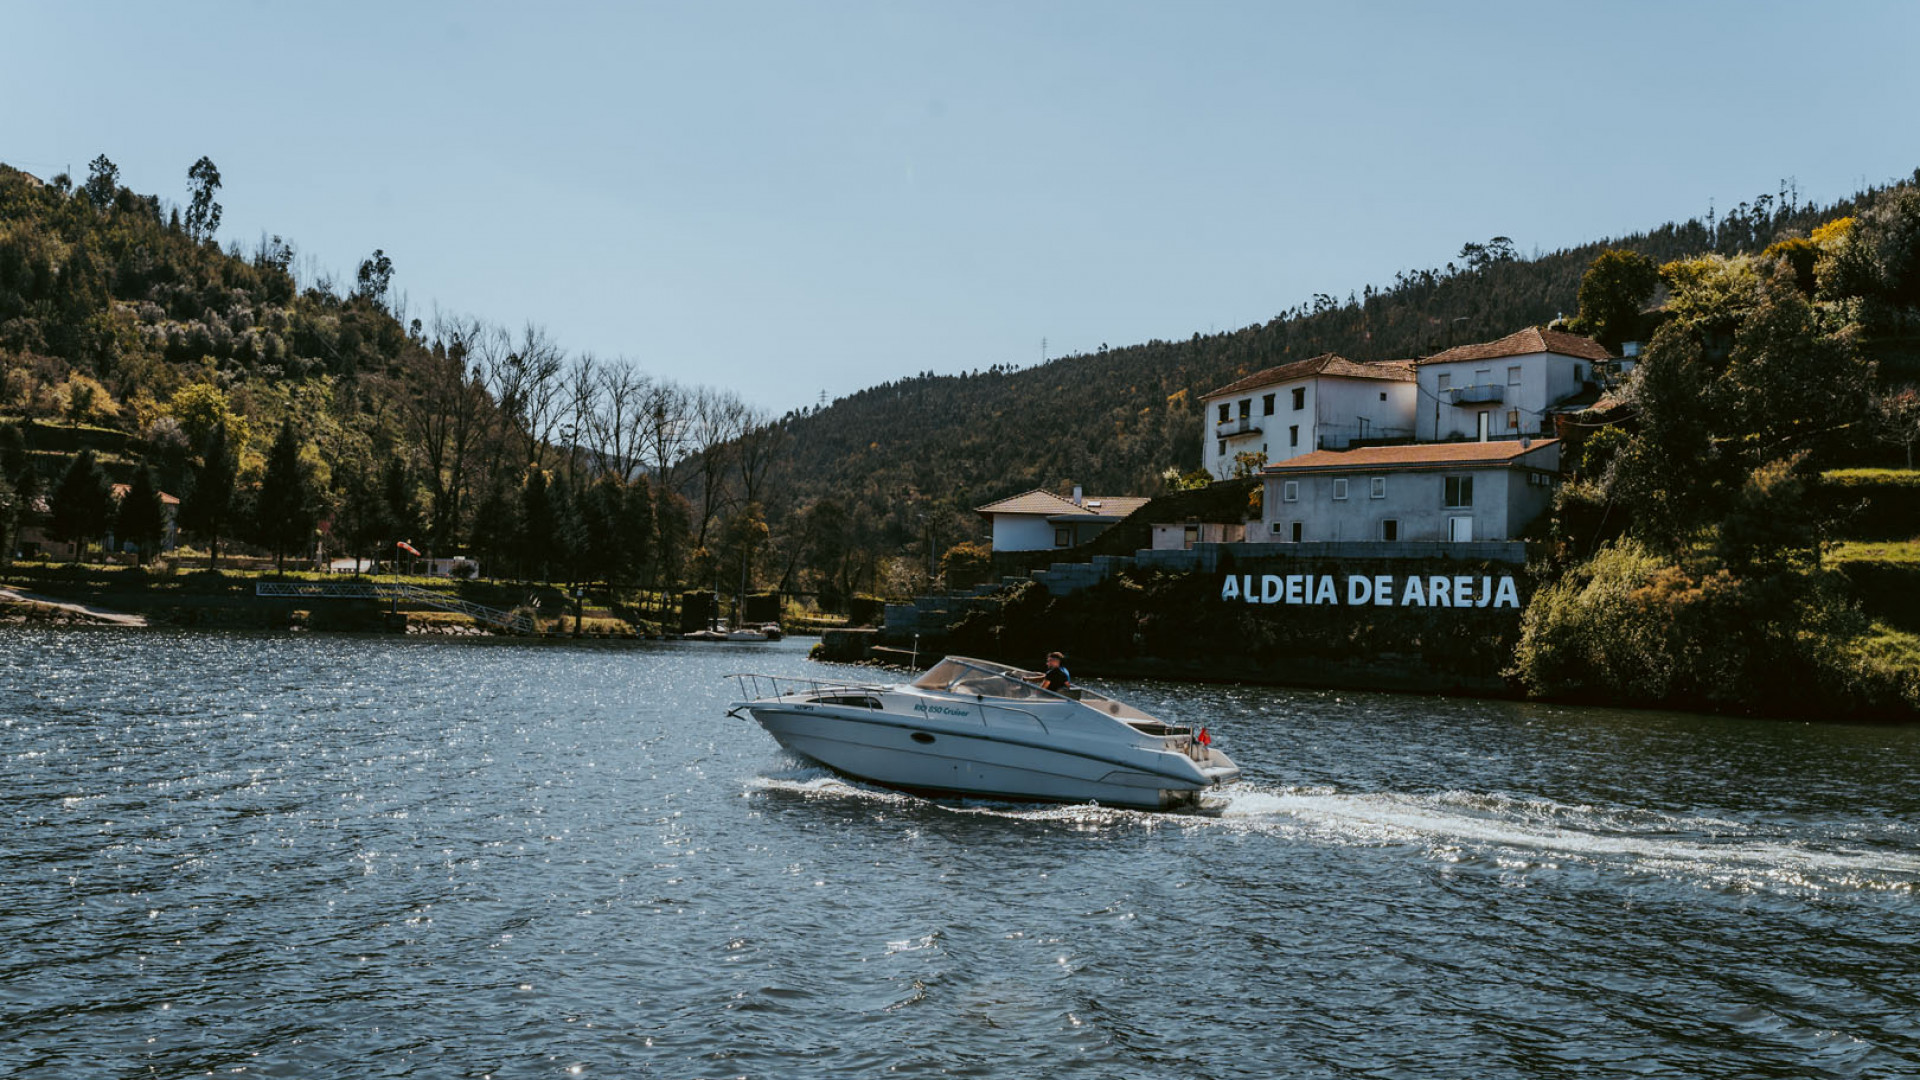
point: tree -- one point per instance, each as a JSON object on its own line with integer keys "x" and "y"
{"x": 1879, "y": 257}
{"x": 9, "y": 517}
{"x": 14, "y": 461}
{"x": 401, "y": 509}
{"x": 537, "y": 531}
{"x": 141, "y": 517}
{"x": 82, "y": 400}
{"x": 203, "y": 214}
{"x": 103, "y": 182}
{"x": 1612, "y": 291}
{"x": 200, "y": 407}
{"x": 82, "y": 503}
{"x": 1898, "y": 412}
{"x": 603, "y": 520}
{"x": 208, "y": 507}
{"x": 375, "y": 277}
{"x": 446, "y": 414}
{"x": 284, "y": 511}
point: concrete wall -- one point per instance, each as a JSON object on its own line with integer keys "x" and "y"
{"x": 1021, "y": 532}
{"x": 1545, "y": 379}
{"x": 1349, "y": 409}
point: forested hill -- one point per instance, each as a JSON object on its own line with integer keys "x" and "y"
{"x": 1116, "y": 419}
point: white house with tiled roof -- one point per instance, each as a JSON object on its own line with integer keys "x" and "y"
{"x": 1326, "y": 403}
{"x": 1038, "y": 520}
{"x": 1451, "y": 492}
{"x": 1504, "y": 389}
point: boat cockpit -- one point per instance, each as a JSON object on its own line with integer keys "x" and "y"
{"x": 983, "y": 678}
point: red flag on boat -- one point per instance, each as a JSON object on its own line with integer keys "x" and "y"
{"x": 1203, "y": 738}
{"x": 406, "y": 547}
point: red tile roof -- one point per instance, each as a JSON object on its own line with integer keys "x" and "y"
{"x": 1526, "y": 342}
{"x": 1325, "y": 364}
{"x": 120, "y": 492}
{"x": 1416, "y": 456}
{"x": 1042, "y": 501}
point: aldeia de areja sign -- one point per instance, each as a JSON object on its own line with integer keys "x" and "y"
{"x": 1379, "y": 590}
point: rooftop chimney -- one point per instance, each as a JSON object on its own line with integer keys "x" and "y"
{"x": 1078, "y": 497}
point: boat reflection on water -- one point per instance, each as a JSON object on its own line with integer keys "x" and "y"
{"x": 973, "y": 727}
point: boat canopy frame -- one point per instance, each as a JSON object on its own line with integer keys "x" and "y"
{"x": 986, "y": 679}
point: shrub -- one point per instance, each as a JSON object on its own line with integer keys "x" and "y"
{"x": 1634, "y": 628}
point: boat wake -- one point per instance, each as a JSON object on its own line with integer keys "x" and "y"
{"x": 1519, "y": 833}
{"x": 1490, "y": 830}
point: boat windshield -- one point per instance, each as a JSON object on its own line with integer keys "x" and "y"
{"x": 958, "y": 677}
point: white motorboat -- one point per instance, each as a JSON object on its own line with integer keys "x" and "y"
{"x": 973, "y": 727}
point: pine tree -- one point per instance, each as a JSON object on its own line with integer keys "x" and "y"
{"x": 82, "y": 502}
{"x": 141, "y": 519}
{"x": 536, "y": 540}
{"x": 209, "y": 506}
{"x": 284, "y": 512}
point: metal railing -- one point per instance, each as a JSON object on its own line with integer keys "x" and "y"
{"x": 413, "y": 594}
{"x": 756, "y": 687}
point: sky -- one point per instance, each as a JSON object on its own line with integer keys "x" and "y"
{"x": 795, "y": 198}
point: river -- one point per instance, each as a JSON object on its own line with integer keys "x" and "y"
{"x": 305, "y": 855}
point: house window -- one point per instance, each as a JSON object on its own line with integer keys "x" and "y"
{"x": 1513, "y": 419}
{"x": 1446, "y": 383}
{"x": 1579, "y": 373}
{"x": 1513, "y": 375}
{"x": 1266, "y": 405}
{"x": 1290, "y": 491}
{"x": 1459, "y": 491}
{"x": 1483, "y": 377}
{"x": 1223, "y": 448}
{"x": 1191, "y": 538}
{"x": 1226, "y": 412}
{"x": 1299, "y": 398}
{"x": 1293, "y": 435}
{"x": 1246, "y": 408}
{"x": 1340, "y": 490}
{"x": 1383, "y": 395}
{"x": 1298, "y": 530}
{"x": 1063, "y": 538}
{"x": 1389, "y": 529}
{"x": 1379, "y": 488}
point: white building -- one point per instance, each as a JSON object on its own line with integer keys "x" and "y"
{"x": 1038, "y": 520}
{"x": 1326, "y": 403}
{"x": 1505, "y": 389}
{"x": 1455, "y": 492}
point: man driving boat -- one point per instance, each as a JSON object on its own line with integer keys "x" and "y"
{"x": 1055, "y": 677}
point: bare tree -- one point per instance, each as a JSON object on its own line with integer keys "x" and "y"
{"x": 760, "y": 442}
{"x": 663, "y": 437}
{"x": 447, "y": 412}
{"x": 716, "y": 419}
{"x": 613, "y": 427}
{"x": 524, "y": 375}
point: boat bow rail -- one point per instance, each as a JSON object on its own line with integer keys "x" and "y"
{"x": 758, "y": 687}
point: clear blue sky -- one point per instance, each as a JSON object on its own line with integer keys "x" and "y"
{"x": 790, "y": 197}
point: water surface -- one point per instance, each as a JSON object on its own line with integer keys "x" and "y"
{"x": 308, "y": 855}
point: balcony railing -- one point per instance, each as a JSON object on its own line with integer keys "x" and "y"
{"x": 1227, "y": 429}
{"x": 1491, "y": 393}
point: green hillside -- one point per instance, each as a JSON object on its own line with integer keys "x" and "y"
{"x": 1115, "y": 420}
{"x": 128, "y": 330}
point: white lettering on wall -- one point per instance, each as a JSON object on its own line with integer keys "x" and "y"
{"x": 1379, "y": 590}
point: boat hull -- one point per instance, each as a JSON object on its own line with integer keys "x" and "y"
{"x": 888, "y": 750}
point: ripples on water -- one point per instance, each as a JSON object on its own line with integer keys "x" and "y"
{"x": 305, "y": 856}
